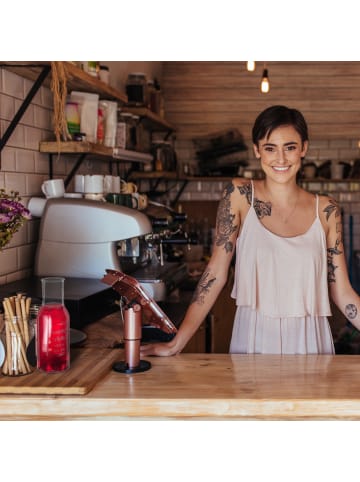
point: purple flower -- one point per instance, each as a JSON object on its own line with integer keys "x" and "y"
{"x": 13, "y": 214}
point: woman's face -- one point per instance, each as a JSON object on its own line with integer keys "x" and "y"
{"x": 281, "y": 153}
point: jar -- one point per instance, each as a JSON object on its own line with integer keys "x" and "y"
{"x": 136, "y": 89}
{"x": 92, "y": 68}
{"x": 164, "y": 156}
{"x": 123, "y": 131}
{"x": 104, "y": 74}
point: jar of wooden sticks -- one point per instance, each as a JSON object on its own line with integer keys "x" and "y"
{"x": 16, "y": 335}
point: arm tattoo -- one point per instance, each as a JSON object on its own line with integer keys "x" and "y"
{"x": 224, "y": 221}
{"x": 262, "y": 208}
{"x": 331, "y": 252}
{"x": 332, "y": 207}
{"x": 351, "y": 311}
{"x": 203, "y": 288}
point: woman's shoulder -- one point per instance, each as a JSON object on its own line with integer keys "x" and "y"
{"x": 242, "y": 187}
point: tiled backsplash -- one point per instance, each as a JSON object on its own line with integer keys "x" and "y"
{"x": 24, "y": 168}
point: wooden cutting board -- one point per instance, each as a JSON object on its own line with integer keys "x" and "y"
{"x": 87, "y": 367}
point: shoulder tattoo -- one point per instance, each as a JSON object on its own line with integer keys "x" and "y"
{"x": 203, "y": 287}
{"x": 225, "y": 221}
{"x": 262, "y": 208}
{"x": 332, "y": 208}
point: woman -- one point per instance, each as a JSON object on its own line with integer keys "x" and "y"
{"x": 289, "y": 253}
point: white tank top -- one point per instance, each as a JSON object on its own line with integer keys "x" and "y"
{"x": 281, "y": 276}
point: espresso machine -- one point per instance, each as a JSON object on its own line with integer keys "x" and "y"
{"x": 80, "y": 239}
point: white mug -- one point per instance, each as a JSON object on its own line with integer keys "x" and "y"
{"x": 116, "y": 184}
{"x": 36, "y": 206}
{"x": 79, "y": 183}
{"x": 94, "y": 183}
{"x": 53, "y": 188}
{"x": 108, "y": 184}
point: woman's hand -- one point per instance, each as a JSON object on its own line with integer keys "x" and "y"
{"x": 158, "y": 349}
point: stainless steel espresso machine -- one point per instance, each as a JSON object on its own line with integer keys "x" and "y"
{"x": 79, "y": 239}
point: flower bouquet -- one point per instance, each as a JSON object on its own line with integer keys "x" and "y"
{"x": 13, "y": 214}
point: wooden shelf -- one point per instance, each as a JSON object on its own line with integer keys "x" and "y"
{"x": 74, "y": 147}
{"x": 77, "y": 79}
{"x": 151, "y": 121}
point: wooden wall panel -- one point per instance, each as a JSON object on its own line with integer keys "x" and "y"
{"x": 203, "y": 97}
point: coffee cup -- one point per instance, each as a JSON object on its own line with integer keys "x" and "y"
{"x": 128, "y": 187}
{"x": 108, "y": 183}
{"x": 79, "y": 183}
{"x": 53, "y": 188}
{"x": 142, "y": 200}
{"x": 36, "y": 206}
{"x": 116, "y": 183}
{"x": 94, "y": 183}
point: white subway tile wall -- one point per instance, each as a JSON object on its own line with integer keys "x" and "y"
{"x": 23, "y": 168}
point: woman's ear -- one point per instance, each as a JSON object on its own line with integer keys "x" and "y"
{"x": 256, "y": 151}
{"x": 304, "y": 148}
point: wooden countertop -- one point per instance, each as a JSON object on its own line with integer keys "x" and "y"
{"x": 207, "y": 386}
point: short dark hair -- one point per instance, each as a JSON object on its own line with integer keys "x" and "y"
{"x": 276, "y": 116}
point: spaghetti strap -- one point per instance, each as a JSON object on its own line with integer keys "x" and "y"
{"x": 252, "y": 192}
{"x": 317, "y": 205}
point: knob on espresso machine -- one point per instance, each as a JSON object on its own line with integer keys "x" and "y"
{"x": 132, "y": 340}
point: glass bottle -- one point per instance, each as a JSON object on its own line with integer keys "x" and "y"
{"x": 53, "y": 328}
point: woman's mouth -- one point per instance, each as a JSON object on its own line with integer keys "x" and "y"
{"x": 281, "y": 168}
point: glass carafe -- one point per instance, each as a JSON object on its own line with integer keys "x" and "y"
{"x": 53, "y": 328}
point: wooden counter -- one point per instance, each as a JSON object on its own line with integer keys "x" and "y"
{"x": 212, "y": 386}
{"x": 201, "y": 386}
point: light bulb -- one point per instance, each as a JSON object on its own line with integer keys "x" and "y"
{"x": 250, "y": 65}
{"x": 265, "y": 85}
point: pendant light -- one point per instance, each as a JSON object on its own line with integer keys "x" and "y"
{"x": 250, "y": 65}
{"x": 265, "y": 85}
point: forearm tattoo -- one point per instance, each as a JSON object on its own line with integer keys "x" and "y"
{"x": 351, "y": 311}
{"x": 203, "y": 288}
{"x": 333, "y": 209}
{"x": 262, "y": 208}
{"x": 224, "y": 222}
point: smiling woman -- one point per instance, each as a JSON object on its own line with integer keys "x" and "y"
{"x": 289, "y": 253}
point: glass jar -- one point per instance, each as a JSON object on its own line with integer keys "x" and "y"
{"x": 14, "y": 342}
{"x": 104, "y": 74}
{"x": 123, "y": 130}
{"x": 136, "y": 89}
{"x": 53, "y": 328}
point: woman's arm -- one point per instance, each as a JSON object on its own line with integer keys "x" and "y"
{"x": 341, "y": 291}
{"x": 213, "y": 278}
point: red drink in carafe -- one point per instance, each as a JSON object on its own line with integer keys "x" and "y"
{"x": 52, "y": 330}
